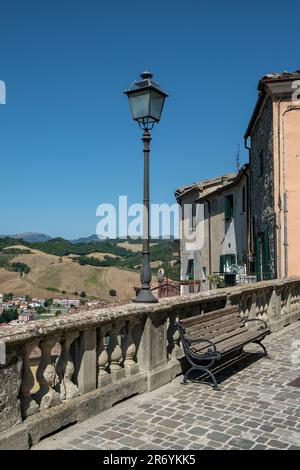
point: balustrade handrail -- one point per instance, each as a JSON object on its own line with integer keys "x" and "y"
{"x": 96, "y": 317}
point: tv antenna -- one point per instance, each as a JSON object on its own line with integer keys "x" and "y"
{"x": 238, "y": 162}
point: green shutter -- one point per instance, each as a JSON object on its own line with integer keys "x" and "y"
{"x": 221, "y": 263}
{"x": 266, "y": 254}
{"x": 258, "y": 259}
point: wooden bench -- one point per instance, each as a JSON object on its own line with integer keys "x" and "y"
{"x": 209, "y": 337}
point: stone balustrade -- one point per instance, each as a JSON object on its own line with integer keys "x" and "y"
{"x": 93, "y": 359}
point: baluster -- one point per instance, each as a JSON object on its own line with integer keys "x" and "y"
{"x": 115, "y": 354}
{"x": 46, "y": 376}
{"x": 104, "y": 378}
{"x": 28, "y": 404}
{"x": 130, "y": 366}
{"x": 68, "y": 389}
{"x": 177, "y": 351}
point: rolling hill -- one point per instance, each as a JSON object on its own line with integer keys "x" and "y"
{"x": 58, "y": 267}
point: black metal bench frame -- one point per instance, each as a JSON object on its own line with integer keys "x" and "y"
{"x": 212, "y": 355}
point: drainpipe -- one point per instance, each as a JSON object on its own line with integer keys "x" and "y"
{"x": 249, "y": 232}
{"x": 209, "y": 240}
{"x": 285, "y": 210}
{"x": 279, "y": 270}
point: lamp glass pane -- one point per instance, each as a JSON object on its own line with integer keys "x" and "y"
{"x": 157, "y": 102}
{"x": 140, "y": 104}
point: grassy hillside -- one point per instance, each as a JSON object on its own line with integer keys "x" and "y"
{"x": 54, "y": 276}
{"x": 58, "y": 267}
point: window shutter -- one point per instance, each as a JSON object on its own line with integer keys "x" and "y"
{"x": 258, "y": 259}
{"x": 266, "y": 254}
{"x": 222, "y": 259}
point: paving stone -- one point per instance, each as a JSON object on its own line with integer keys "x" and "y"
{"x": 197, "y": 431}
{"x": 218, "y": 436}
{"x": 241, "y": 443}
{"x": 131, "y": 441}
{"x": 277, "y": 444}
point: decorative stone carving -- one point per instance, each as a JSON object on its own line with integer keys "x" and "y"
{"x": 115, "y": 354}
{"x": 68, "y": 389}
{"x": 130, "y": 365}
{"x": 46, "y": 376}
{"x": 104, "y": 378}
{"x": 28, "y": 404}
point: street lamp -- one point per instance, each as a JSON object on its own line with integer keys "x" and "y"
{"x": 146, "y": 101}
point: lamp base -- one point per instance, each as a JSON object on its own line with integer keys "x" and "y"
{"x": 145, "y": 296}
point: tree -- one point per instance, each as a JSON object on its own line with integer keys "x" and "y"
{"x": 7, "y": 296}
{"x": 9, "y": 315}
{"x": 82, "y": 294}
{"x": 57, "y": 313}
{"x": 112, "y": 292}
{"x": 48, "y": 302}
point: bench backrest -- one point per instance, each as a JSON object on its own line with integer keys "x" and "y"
{"x": 214, "y": 324}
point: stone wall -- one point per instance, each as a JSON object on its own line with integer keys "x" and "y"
{"x": 106, "y": 355}
{"x": 262, "y": 186}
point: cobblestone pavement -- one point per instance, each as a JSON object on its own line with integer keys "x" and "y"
{"x": 256, "y": 409}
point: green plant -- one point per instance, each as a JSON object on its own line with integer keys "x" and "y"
{"x": 217, "y": 281}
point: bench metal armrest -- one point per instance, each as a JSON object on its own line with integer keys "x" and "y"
{"x": 257, "y": 319}
{"x": 210, "y": 353}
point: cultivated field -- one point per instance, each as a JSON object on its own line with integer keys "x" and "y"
{"x": 135, "y": 247}
{"x": 53, "y": 272}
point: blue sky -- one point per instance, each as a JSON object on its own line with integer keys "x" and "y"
{"x": 67, "y": 141}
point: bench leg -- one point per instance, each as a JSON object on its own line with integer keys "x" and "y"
{"x": 263, "y": 347}
{"x": 202, "y": 369}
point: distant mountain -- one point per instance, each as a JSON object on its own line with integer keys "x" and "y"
{"x": 95, "y": 238}
{"x": 31, "y": 237}
{"x": 92, "y": 238}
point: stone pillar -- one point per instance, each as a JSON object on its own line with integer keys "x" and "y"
{"x": 152, "y": 353}
{"x": 86, "y": 361}
{"x": 10, "y": 382}
{"x": 274, "y": 312}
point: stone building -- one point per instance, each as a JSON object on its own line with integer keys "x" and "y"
{"x": 218, "y": 207}
{"x": 273, "y": 140}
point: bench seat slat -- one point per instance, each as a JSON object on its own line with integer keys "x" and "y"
{"x": 213, "y": 322}
{"x": 239, "y": 339}
{"x": 224, "y": 326}
{"x": 209, "y": 316}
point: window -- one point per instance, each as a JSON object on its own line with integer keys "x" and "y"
{"x": 261, "y": 163}
{"x": 262, "y": 256}
{"x": 228, "y": 206}
{"x": 244, "y": 199}
{"x": 190, "y": 270}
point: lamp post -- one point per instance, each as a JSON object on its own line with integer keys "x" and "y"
{"x": 146, "y": 101}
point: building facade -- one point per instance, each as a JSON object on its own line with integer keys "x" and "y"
{"x": 273, "y": 140}
{"x": 219, "y": 209}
